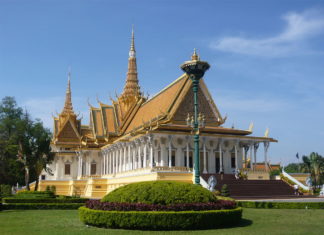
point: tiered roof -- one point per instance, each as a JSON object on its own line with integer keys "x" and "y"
{"x": 132, "y": 114}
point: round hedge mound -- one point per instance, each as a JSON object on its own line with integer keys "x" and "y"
{"x": 161, "y": 220}
{"x": 160, "y": 192}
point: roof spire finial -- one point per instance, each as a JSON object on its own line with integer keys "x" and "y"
{"x": 195, "y": 55}
{"x": 68, "y": 108}
{"x": 132, "y": 47}
{"x": 132, "y": 88}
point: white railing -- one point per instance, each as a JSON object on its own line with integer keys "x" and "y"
{"x": 203, "y": 182}
{"x": 285, "y": 174}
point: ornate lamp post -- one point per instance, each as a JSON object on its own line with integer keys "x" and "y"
{"x": 195, "y": 69}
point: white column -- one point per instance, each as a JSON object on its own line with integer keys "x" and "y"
{"x": 120, "y": 158}
{"x": 220, "y": 157}
{"x": 124, "y": 165}
{"x": 88, "y": 164}
{"x": 111, "y": 162}
{"x": 187, "y": 153}
{"x": 256, "y": 146}
{"x": 151, "y": 155}
{"x": 80, "y": 162}
{"x": 129, "y": 161}
{"x": 145, "y": 154}
{"x": 205, "y": 158}
{"x": 170, "y": 151}
{"x": 266, "y": 147}
{"x": 235, "y": 148}
{"x": 114, "y": 161}
{"x": 134, "y": 156}
{"x": 103, "y": 162}
{"x": 251, "y": 156}
{"x": 139, "y": 164}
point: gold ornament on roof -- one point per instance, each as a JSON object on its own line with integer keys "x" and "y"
{"x": 68, "y": 108}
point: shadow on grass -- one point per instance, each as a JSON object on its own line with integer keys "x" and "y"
{"x": 245, "y": 223}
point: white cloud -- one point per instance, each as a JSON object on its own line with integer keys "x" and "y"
{"x": 299, "y": 27}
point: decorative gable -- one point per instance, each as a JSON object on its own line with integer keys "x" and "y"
{"x": 205, "y": 105}
{"x": 68, "y": 133}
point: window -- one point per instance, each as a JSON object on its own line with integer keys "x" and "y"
{"x": 43, "y": 177}
{"x": 67, "y": 169}
{"x": 233, "y": 165}
{"x": 93, "y": 168}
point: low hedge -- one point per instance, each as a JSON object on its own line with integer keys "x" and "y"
{"x": 44, "y": 200}
{"x": 161, "y": 220}
{"x": 42, "y": 206}
{"x": 124, "y": 206}
{"x": 160, "y": 192}
{"x": 281, "y": 205}
{"x": 35, "y": 194}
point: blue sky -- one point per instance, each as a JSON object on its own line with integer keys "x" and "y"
{"x": 267, "y": 58}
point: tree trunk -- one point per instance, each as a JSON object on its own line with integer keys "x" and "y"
{"x": 36, "y": 184}
{"x": 27, "y": 178}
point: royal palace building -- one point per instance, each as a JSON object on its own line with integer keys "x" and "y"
{"x": 136, "y": 138}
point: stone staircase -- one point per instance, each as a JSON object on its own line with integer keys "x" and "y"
{"x": 253, "y": 188}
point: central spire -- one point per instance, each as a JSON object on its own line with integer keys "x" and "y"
{"x": 68, "y": 108}
{"x": 132, "y": 88}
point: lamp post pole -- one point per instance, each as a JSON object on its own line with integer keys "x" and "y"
{"x": 195, "y": 69}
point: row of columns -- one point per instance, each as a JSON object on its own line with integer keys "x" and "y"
{"x": 128, "y": 156}
{"x": 139, "y": 154}
{"x": 253, "y": 148}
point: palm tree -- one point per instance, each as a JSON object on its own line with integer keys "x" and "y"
{"x": 314, "y": 164}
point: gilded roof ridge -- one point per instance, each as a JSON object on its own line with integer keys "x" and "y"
{"x": 165, "y": 88}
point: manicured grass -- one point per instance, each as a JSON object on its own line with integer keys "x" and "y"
{"x": 255, "y": 221}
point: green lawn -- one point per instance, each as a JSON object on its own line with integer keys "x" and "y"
{"x": 256, "y": 221}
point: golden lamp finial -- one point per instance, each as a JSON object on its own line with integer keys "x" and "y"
{"x": 195, "y": 55}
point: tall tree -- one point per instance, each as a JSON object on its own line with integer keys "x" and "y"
{"x": 314, "y": 164}
{"x": 10, "y": 114}
{"x": 22, "y": 137}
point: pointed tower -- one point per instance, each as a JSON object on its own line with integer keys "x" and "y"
{"x": 132, "y": 92}
{"x": 66, "y": 125}
{"x": 132, "y": 88}
{"x": 68, "y": 108}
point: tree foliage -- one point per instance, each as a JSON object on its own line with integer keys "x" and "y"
{"x": 24, "y": 145}
{"x": 293, "y": 168}
{"x": 314, "y": 164}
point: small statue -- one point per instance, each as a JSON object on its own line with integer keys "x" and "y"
{"x": 212, "y": 182}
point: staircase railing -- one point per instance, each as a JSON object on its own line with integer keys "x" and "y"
{"x": 203, "y": 182}
{"x": 285, "y": 174}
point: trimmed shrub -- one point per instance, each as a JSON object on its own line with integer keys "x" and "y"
{"x": 124, "y": 206}
{"x": 161, "y": 220}
{"x": 53, "y": 189}
{"x": 160, "y": 192}
{"x": 35, "y": 194}
{"x": 5, "y": 190}
{"x": 44, "y": 200}
{"x": 224, "y": 191}
{"x": 42, "y": 206}
{"x": 281, "y": 205}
